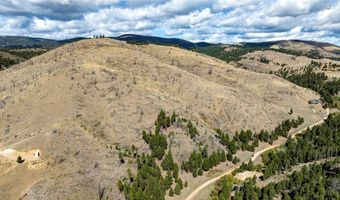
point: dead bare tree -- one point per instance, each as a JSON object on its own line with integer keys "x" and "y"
{"x": 101, "y": 191}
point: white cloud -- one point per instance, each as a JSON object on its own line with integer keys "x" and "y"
{"x": 205, "y": 20}
{"x": 225, "y": 4}
{"x": 296, "y": 8}
{"x": 190, "y": 19}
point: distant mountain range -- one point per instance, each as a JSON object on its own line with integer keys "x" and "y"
{"x": 29, "y": 42}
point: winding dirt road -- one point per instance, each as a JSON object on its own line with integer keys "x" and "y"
{"x": 254, "y": 157}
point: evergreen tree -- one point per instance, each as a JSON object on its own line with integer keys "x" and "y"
{"x": 177, "y": 189}
{"x": 171, "y": 192}
{"x": 229, "y": 156}
{"x": 173, "y": 118}
{"x": 200, "y": 172}
{"x": 120, "y": 185}
{"x": 175, "y": 171}
{"x": 206, "y": 165}
{"x": 168, "y": 162}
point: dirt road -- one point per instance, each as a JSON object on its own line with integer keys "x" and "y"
{"x": 256, "y": 155}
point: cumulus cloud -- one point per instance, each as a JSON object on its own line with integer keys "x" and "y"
{"x": 56, "y": 9}
{"x": 226, "y": 21}
{"x": 296, "y": 8}
{"x": 190, "y": 20}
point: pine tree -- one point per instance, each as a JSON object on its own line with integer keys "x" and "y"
{"x": 20, "y": 160}
{"x": 167, "y": 181}
{"x": 173, "y": 118}
{"x": 168, "y": 162}
{"x": 291, "y": 111}
{"x": 206, "y": 164}
{"x": 229, "y": 156}
{"x": 177, "y": 189}
{"x": 205, "y": 151}
{"x": 180, "y": 182}
{"x": 250, "y": 165}
{"x": 120, "y": 185}
{"x": 222, "y": 155}
{"x": 286, "y": 196}
{"x": 194, "y": 173}
{"x": 168, "y": 121}
{"x": 233, "y": 147}
{"x": 200, "y": 172}
{"x": 171, "y": 192}
{"x": 175, "y": 171}
{"x": 235, "y": 160}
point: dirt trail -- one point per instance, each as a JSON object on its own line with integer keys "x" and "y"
{"x": 256, "y": 155}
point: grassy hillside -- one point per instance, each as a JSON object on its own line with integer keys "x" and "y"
{"x": 234, "y": 53}
{"x": 101, "y": 111}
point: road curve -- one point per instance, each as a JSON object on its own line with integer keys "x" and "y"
{"x": 197, "y": 190}
{"x": 256, "y": 155}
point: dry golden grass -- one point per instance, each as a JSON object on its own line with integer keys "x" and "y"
{"x": 78, "y": 102}
{"x": 277, "y": 61}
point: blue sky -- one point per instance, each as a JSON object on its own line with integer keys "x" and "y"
{"x": 222, "y": 21}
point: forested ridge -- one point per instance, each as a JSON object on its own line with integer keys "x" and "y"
{"x": 317, "y": 81}
{"x": 7, "y": 62}
{"x": 234, "y": 53}
{"x": 19, "y": 55}
{"x": 320, "y": 142}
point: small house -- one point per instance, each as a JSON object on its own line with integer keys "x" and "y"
{"x": 314, "y": 101}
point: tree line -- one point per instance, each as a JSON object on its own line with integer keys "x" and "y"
{"x": 22, "y": 54}
{"x": 6, "y": 62}
{"x": 247, "y": 140}
{"x": 317, "y": 81}
{"x": 320, "y": 142}
{"x": 25, "y": 54}
{"x": 148, "y": 182}
{"x": 200, "y": 161}
{"x": 313, "y": 182}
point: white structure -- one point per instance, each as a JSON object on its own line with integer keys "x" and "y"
{"x": 13, "y": 154}
{"x": 36, "y": 153}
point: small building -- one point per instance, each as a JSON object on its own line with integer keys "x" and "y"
{"x": 36, "y": 153}
{"x": 314, "y": 101}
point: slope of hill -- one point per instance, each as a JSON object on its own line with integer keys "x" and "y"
{"x": 272, "y": 61}
{"x": 9, "y": 57}
{"x": 310, "y": 49}
{"x": 141, "y": 39}
{"x": 82, "y": 102}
